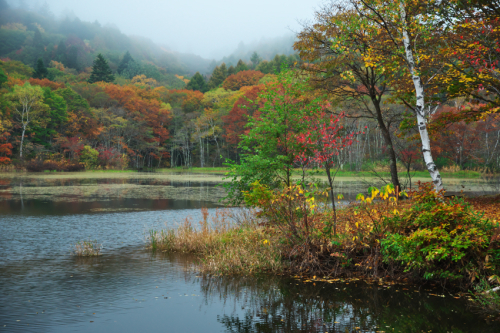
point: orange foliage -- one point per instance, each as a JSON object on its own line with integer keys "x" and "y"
{"x": 57, "y": 65}
{"x": 246, "y": 106}
{"x": 143, "y": 106}
{"x": 11, "y": 82}
{"x": 242, "y": 79}
{"x": 46, "y": 83}
{"x": 188, "y": 100}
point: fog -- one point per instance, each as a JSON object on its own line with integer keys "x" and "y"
{"x": 210, "y": 29}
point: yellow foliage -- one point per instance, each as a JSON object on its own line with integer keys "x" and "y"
{"x": 14, "y": 26}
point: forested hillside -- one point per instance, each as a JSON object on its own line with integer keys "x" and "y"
{"x": 80, "y": 95}
{"x": 27, "y": 36}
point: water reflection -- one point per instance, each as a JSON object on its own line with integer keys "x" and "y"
{"x": 286, "y": 305}
{"x": 132, "y": 290}
{"x": 43, "y": 288}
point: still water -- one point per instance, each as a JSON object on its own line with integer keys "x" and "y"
{"x": 44, "y": 288}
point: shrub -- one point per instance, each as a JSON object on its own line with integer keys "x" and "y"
{"x": 89, "y": 157}
{"x": 51, "y": 165}
{"x": 441, "y": 238}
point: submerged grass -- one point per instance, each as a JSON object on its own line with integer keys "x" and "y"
{"x": 226, "y": 243}
{"x": 88, "y": 248}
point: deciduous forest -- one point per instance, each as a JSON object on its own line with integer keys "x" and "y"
{"x": 77, "y": 95}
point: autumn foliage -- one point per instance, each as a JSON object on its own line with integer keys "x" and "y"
{"x": 242, "y": 79}
{"x": 245, "y": 107}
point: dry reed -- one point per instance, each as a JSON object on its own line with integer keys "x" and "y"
{"x": 88, "y": 248}
{"x": 226, "y": 243}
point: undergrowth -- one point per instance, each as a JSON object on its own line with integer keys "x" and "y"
{"x": 425, "y": 237}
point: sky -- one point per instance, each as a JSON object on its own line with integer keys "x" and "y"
{"x": 209, "y": 28}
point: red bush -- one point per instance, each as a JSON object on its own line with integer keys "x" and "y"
{"x": 242, "y": 79}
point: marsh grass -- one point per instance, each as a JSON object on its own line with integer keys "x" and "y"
{"x": 226, "y": 243}
{"x": 88, "y": 248}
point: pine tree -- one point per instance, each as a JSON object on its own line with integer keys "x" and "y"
{"x": 223, "y": 70}
{"x": 197, "y": 82}
{"x": 241, "y": 66}
{"x": 60, "y": 54}
{"x": 231, "y": 70}
{"x": 3, "y": 77}
{"x": 218, "y": 76}
{"x": 101, "y": 71}
{"x": 72, "y": 58}
{"x": 127, "y": 58}
{"x": 255, "y": 59}
{"x": 40, "y": 70}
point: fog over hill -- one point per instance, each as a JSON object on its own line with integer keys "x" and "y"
{"x": 195, "y": 32}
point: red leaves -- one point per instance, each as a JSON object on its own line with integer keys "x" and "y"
{"x": 323, "y": 139}
{"x": 242, "y": 79}
{"x": 238, "y": 116}
{"x": 46, "y": 83}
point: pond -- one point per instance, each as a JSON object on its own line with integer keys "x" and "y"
{"x": 45, "y": 288}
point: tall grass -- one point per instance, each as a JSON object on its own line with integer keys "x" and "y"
{"x": 226, "y": 243}
{"x": 88, "y": 248}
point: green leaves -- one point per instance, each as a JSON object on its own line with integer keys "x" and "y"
{"x": 443, "y": 239}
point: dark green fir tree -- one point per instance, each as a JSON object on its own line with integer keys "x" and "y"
{"x": 3, "y": 77}
{"x": 197, "y": 82}
{"x": 41, "y": 71}
{"x": 255, "y": 59}
{"x": 127, "y": 58}
{"x": 218, "y": 76}
{"x": 231, "y": 70}
{"x": 101, "y": 71}
{"x": 241, "y": 66}
{"x": 60, "y": 54}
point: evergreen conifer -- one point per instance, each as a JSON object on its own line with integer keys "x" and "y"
{"x": 127, "y": 58}
{"x": 60, "y": 54}
{"x": 40, "y": 70}
{"x": 218, "y": 76}
{"x": 3, "y": 77}
{"x": 197, "y": 82}
{"x": 241, "y": 66}
{"x": 255, "y": 59}
{"x": 101, "y": 71}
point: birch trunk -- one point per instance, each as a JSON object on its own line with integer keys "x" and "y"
{"x": 21, "y": 145}
{"x": 420, "y": 106}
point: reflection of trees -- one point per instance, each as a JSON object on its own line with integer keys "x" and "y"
{"x": 273, "y": 304}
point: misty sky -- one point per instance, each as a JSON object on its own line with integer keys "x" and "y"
{"x": 210, "y": 28}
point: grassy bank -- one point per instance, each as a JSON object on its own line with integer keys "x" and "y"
{"x": 459, "y": 174}
{"x": 224, "y": 247}
{"x": 426, "y": 238}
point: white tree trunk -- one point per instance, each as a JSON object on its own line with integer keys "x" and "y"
{"x": 21, "y": 145}
{"x": 419, "y": 110}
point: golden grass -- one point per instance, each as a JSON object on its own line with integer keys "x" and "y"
{"x": 225, "y": 243}
{"x": 88, "y": 248}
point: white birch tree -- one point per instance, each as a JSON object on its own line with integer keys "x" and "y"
{"x": 406, "y": 51}
{"x": 27, "y": 101}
